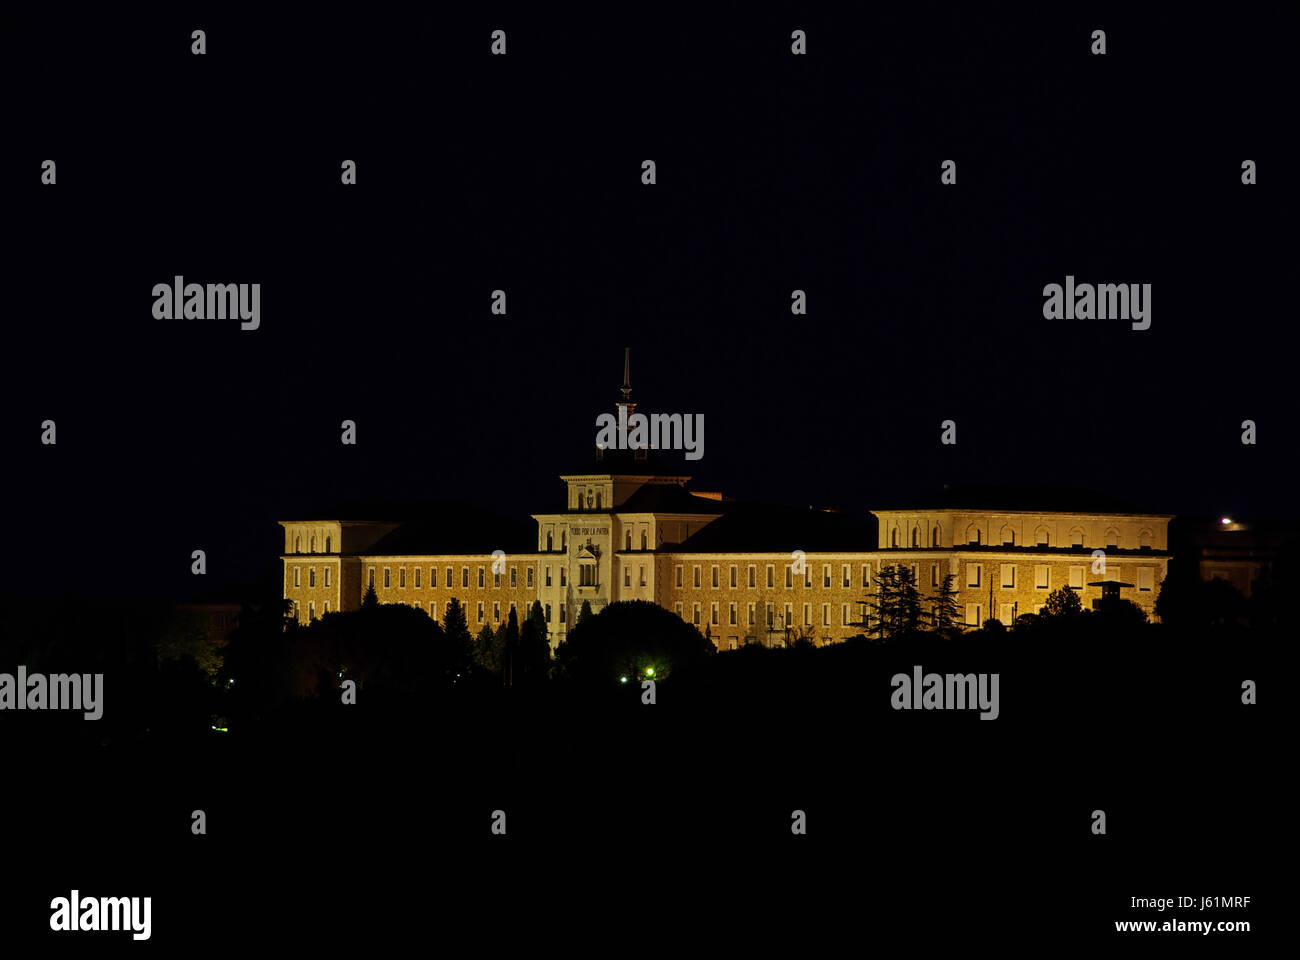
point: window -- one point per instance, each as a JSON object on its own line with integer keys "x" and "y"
{"x": 388, "y": 578}
{"x": 734, "y": 580}
{"x": 1008, "y": 537}
{"x": 480, "y": 611}
{"x": 311, "y": 577}
{"x": 564, "y": 546}
{"x": 677, "y": 608}
{"x": 893, "y": 537}
{"x": 597, "y": 499}
{"x": 401, "y": 577}
{"x": 787, "y": 621}
{"x": 1112, "y": 538}
{"x": 789, "y": 575}
{"x": 496, "y": 579}
{"x": 715, "y": 576}
{"x": 753, "y": 582}
{"x": 972, "y": 574}
{"x": 1042, "y": 577}
{"x": 313, "y": 543}
{"x": 934, "y": 537}
{"x": 327, "y": 606}
{"x": 973, "y": 534}
{"x": 713, "y": 614}
{"x": 530, "y": 577}
{"x": 1041, "y": 537}
{"x": 1145, "y": 578}
{"x": 1076, "y": 537}
{"x": 770, "y": 615}
{"x": 866, "y": 576}
{"x": 1008, "y": 576}
{"x": 311, "y": 609}
{"x": 328, "y": 541}
{"x": 696, "y": 572}
{"x": 916, "y": 536}
{"x": 731, "y": 614}
{"x": 548, "y": 613}
{"x": 677, "y": 574}
{"x": 449, "y": 576}
{"x": 934, "y": 574}
{"x": 629, "y": 540}
{"x": 297, "y": 544}
{"x": 1007, "y": 613}
{"x": 807, "y": 614}
{"x": 627, "y": 576}
{"x": 297, "y": 576}
{"x": 464, "y": 577}
{"x": 844, "y": 614}
{"x": 771, "y": 576}
{"x": 372, "y": 576}
{"x": 1144, "y": 540}
{"x": 643, "y": 581}
{"x": 481, "y": 578}
{"x": 751, "y": 615}
{"x": 695, "y": 614}
{"x": 564, "y": 582}
{"x": 433, "y": 611}
{"x": 973, "y": 612}
{"x": 564, "y": 611}
{"x": 844, "y": 574}
{"x": 1076, "y": 578}
{"x": 328, "y": 570}
{"x": 496, "y": 611}
{"x": 550, "y": 542}
{"x": 826, "y": 574}
{"x": 645, "y": 539}
{"x": 826, "y": 614}
{"x": 417, "y": 578}
{"x": 548, "y": 576}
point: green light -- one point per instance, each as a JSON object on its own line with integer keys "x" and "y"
{"x": 622, "y": 679}
{"x": 650, "y": 671}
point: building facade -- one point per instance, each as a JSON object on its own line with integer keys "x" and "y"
{"x": 630, "y": 529}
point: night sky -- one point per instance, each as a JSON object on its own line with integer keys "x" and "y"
{"x": 523, "y": 173}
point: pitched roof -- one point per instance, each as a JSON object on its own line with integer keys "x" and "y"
{"x": 766, "y": 528}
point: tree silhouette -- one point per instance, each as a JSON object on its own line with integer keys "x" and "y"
{"x": 1063, "y": 602}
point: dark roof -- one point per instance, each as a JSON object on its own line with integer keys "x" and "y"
{"x": 1020, "y": 498}
{"x": 457, "y": 528}
{"x": 661, "y": 498}
{"x": 765, "y": 528}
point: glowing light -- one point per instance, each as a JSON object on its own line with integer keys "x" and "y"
{"x": 622, "y": 679}
{"x": 650, "y": 671}
{"x": 1225, "y": 520}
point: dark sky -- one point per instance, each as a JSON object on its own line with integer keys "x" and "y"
{"x": 522, "y": 172}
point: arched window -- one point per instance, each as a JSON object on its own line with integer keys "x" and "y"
{"x": 313, "y": 543}
{"x": 973, "y": 534}
{"x": 1144, "y": 540}
{"x": 1041, "y": 536}
{"x": 893, "y": 537}
{"x": 934, "y": 537}
{"x": 1112, "y": 537}
{"x": 1076, "y": 537}
{"x": 297, "y": 544}
{"x": 644, "y": 540}
{"x": 328, "y": 547}
{"x": 916, "y": 536}
{"x": 550, "y": 542}
{"x": 1008, "y": 536}
{"x": 629, "y": 540}
{"x": 597, "y": 499}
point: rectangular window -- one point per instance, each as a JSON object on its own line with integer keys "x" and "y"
{"x": 1076, "y": 578}
{"x": 401, "y": 577}
{"x": 388, "y": 578}
{"x": 1008, "y": 576}
{"x": 866, "y": 576}
{"x": 627, "y": 576}
{"x": 514, "y": 577}
{"x": 1042, "y": 577}
{"x": 482, "y": 579}
{"x": 715, "y": 576}
{"x": 677, "y": 574}
{"x": 826, "y": 614}
{"x": 297, "y": 576}
{"x": 496, "y": 579}
{"x": 733, "y": 577}
{"x": 564, "y": 611}
{"x": 311, "y": 609}
{"x": 844, "y": 614}
{"x": 1146, "y": 576}
{"x": 449, "y": 577}
{"x": 564, "y": 582}
{"x": 548, "y": 576}
{"x": 789, "y": 575}
{"x": 480, "y": 611}
{"x": 464, "y": 578}
{"x": 731, "y": 614}
{"x": 496, "y": 611}
{"x": 972, "y": 574}
{"x": 695, "y": 614}
{"x": 770, "y": 615}
{"x": 807, "y": 614}
{"x": 643, "y": 580}
{"x": 789, "y": 617}
{"x": 530, "y": 578}
{"x": 433, "y": 611}
{"x": 826, "y": 574}
{"x": 677, "y": 607}
{"x": 311, "y": 576}
{"x": 548, "y": 613}
{"x": 327, "y": 606}
{"x": 751, "y": 615}
{"x": 417, "y": 577}
{"x": 713, "y": 614}
{"x": 1007, "y": 613}
{"x": 372, "y": 576}
{"x": 844, "y": 575}
{"x": 771, "y": 576}
{"x": 973, "y": 614}
{"x": 753, "y": 582}
{"x": 696, "y": 572}
{"x": 328, "y": 570}
{"x": 934, "y": 574}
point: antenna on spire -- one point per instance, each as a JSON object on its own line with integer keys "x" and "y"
{"x": 627, "y": 374}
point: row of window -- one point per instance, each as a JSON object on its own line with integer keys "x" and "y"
{"x": 464, "y": 577}
{"x": 1043, "y": 576}
{"x": 752, "y": 575}
{"x": 297, "y": 544}
{"x": 1042, "y": 537}
{"x": 848, "y": 616}
{"x": 974, "y": 575}
{"x": 311, "y": 576}
{"x": 434, "y": 609}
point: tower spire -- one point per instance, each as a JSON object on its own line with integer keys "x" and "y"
{"x": 626, "y": 389}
